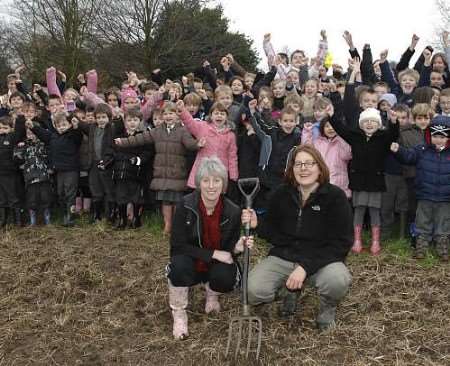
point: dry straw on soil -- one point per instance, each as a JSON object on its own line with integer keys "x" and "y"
{"x": 92, "y": 296}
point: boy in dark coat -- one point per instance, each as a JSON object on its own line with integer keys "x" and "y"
{"x": 10, "y": 135}
{"x": 64, "y": 144}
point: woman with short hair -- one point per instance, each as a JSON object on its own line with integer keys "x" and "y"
{"x": 205, "y": 237}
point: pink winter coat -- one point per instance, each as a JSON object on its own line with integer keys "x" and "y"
{"x": 218, "y": 143}
{"x": 336, "y": 153}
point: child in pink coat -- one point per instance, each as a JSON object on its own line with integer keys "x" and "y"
{"x": 219, "y": 136}
{"x": 335, "y": 151}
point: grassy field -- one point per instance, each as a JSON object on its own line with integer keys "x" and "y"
{"x": 93, "y": 296}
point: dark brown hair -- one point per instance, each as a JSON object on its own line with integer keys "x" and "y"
{"x": 103, "y": 108}
{"x": 289, "y": 176}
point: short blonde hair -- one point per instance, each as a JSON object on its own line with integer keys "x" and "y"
{"x": 223, "y": 89}
{"x": 409, "y": 72}
{"x": 422, "y": 109}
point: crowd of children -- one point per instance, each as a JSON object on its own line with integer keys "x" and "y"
{"x": 383, "y": 129}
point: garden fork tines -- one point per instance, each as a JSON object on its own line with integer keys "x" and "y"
{"x": 248, "y": 327}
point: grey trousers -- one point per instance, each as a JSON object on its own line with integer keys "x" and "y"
{"x": 268, "y": 276}
{"x": 432, "y": 219}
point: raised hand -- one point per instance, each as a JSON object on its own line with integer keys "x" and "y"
{"x": 445, "y": 41}
{"x": 395, "y": 147}
{"x": 81, "y": 79}
{"x": 383, "y": 56}
{"x": 414, "y": 40}
{"x": 267, "y": 37}
{"x": 225, "y": 62}
{"x": 427, "y": 57}
{"x": 348, "y": 38}
{"x": 252, "y": 106}
{"x": 180, "y": 106}
{"x": 62, "y": 75}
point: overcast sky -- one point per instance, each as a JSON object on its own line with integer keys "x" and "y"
{"x": 297, "y": 24}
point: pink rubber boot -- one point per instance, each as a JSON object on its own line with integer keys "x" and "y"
{"x": 375, "y": 248}
{"x": 357, "y": 243}
{"x": 178, "y": 301}
{"x": 212, "y": 300}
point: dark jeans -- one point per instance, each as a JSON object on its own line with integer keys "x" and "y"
{"x": 9, "y": 190}
{"x": 221, "y": 277}
{"x": 432, "y": 219}
{"x": 67, "y": 187}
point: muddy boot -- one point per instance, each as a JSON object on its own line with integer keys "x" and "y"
{"x": 289, "y": 306}
{"x": 421, "y": 248}
{"x": 122, "y": 217}
{"x": 47, "y": 216}
{"x": 403, "y": 219}
{"x": 375, "y": 247}
{"x": 18, "y": 217}
{"x": 442, "y": 248}
{"x": 137, "y": 213}
{"x": 212, "y": 300}
{"x": 178, "y": 301}
{"x": 32, "y": 217}
{"x": 326, "y": 319}
{"x": 357, "y": 243}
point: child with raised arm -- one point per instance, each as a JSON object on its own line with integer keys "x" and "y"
{"x": 370, "y": 146}
{"x": 220, "y": 140}
{"x": 432, "y": 161}
{"x": 64, "y": 145}
{"x": 276, "y": 143}
{"x": 172, "y": 142}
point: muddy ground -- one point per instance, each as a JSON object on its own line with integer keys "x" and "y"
{"x": 92, "y": 296}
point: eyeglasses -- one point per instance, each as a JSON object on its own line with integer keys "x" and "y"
{"x": 307, "y": 164}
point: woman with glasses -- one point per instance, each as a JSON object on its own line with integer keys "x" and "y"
{"x": 309, "y": 225}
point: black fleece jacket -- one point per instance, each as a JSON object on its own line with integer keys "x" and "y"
{"x": 315, "y": 235}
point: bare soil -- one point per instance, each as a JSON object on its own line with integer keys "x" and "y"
{"x": 93, "y": 296}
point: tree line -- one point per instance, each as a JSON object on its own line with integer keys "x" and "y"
{"x": 114, "y": 36}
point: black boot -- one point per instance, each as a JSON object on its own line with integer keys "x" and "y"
{"x": 122, "y": 219}
{"x": 138, "y": 209}
{"x": 289, "y": 306}
{"x": 18, "y": 216}
{"x": 111, "y": 212}
{"x": 97, "y": 207}
{"x": 3, "y": 217}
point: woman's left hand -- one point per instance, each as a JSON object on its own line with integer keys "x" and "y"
{"x": 296, "y": 279}
{"x": 249, "y": 241}
{"x": 249, "y": 216}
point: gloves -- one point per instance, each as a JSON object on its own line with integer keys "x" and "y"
{"x": 101, "y": 165}
{"x": 135, "y": 160}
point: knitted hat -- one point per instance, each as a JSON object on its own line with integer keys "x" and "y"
{"x": 440, "y": 125}
{"x": 370, "y": 113}
{"x": 390, "y": 98}
{"x": 127, "y": 93}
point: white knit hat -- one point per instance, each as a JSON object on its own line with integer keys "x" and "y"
{"x": 370, "y": 113}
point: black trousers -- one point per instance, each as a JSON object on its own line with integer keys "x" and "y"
{"x": 222, "y": 277}
{"x": 9, "y": 190}
{"x": 101, "y": 184}
{"x": 67, "y": 187}
{"x": 39, "y": 195}
{"x": 129, "y": 191}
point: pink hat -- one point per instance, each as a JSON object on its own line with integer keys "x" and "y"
{"x": 127, "y": 93}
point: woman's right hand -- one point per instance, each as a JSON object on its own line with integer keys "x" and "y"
{"x": 223, "y": 256}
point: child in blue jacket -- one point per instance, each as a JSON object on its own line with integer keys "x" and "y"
{"x": 432, "y": 161}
